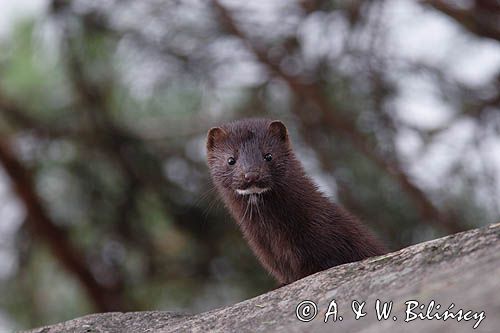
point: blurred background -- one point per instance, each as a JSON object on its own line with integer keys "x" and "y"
{"x": 105, "y": 201}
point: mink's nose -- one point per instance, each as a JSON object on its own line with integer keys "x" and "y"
{"x": 251, "y": 177}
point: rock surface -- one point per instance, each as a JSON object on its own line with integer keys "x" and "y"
{"x": 463, "y": 269}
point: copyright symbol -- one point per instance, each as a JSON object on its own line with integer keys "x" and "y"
{"x": 306, "y": 311}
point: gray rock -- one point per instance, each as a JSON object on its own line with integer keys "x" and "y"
{"x": 463, "y": 269}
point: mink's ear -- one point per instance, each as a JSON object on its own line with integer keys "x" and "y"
{"x": 215, "y": 134}
{"x": 278, "y": 129}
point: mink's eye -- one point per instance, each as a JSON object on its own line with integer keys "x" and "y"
{"x": 231, "y": 161}
{"x": 268, "y": 157}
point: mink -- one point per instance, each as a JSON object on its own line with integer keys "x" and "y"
{"x": 291, "y": 226}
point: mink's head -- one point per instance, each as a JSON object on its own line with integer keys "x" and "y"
{"x": 249, "y": 156}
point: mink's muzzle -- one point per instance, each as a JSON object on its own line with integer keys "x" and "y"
{"x": 252, "y": 191}
{"x": 251, "y": 177}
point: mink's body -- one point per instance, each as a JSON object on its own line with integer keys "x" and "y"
{"x": 290, "y": 225}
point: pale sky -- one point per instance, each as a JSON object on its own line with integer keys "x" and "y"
{"x": 12, "y": 11}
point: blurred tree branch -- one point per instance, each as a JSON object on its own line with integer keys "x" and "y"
{"x": 481, "y": 18}
{"x": 332, "y": 118}
{"x": 15, "y": 114}
{"x": 104, "y": 297}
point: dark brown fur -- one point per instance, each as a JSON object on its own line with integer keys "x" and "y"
{"x": 292, "y": 228}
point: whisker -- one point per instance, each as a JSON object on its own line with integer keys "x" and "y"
{"x": 202, "y": 197}
{"x": 257, "y": 206}
{"x": 251, "y": 206}
{"x": 214, "y": 202}
{"x": 246, "y": 209}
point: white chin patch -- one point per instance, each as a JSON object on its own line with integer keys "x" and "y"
{"x": 252, "y": 190}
